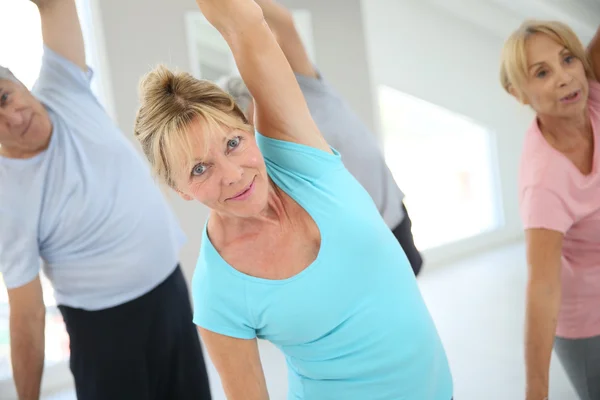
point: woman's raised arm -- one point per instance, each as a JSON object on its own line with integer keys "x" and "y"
{"x": 281, "y": 111}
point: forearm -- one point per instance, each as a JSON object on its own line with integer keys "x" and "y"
{"x": 231, "y": 17}
{"x": 543, "y": 302}
{"x": 27, "y": 353}
{"x": 61, "y": 30}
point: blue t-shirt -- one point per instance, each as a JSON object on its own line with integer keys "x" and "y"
{"x": 353, "y": 324}
{"x": 87, "y": 206}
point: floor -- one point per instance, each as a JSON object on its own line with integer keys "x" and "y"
{"x": 478, "y": 307}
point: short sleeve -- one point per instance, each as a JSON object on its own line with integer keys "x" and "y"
{"x": 312, "y": 86}
{"x": 59, "y": 75}
{"x": 304, "y": 162}
{"x": 542, "y": 208}
{"x": 220, "y": 305}
{"x": 19, "y": 252}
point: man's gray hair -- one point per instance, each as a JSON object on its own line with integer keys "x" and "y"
{"x": 6, "y": 74}
{"x": 236, "y": 88}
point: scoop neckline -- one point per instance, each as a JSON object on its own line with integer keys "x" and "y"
{"x": 305, "y": 271}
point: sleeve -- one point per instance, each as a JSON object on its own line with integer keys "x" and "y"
{"x": 59, "y": 75}
{"x": 220, "y": 309}
{"x": 19, "y": 252}
{"x": 301, "y": 161}
{"x": 314, "y": 86}
{"x": 542, "y": 208}
{"x": 594, "y": 96}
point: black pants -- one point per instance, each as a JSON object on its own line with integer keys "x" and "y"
{"x": 146, "y": 349}
{"x": 403, "y": 233}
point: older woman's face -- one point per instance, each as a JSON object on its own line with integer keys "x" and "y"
{"x": 230, "y": 177}
{"x": 556, "y": 85}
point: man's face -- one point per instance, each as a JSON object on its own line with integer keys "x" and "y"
{"x": 25, "y": 126}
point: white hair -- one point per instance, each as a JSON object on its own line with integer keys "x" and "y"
{"x": 236, "y": 88}
{"x": 7, "y": 75}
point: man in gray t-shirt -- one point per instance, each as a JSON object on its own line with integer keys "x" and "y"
{"x": 340, "y": 126}
{"x": 78, "y": 203}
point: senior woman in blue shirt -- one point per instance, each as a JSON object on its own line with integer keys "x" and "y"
{"x": 294, "y": 250}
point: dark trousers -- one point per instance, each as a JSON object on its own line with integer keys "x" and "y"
{"x": 146, "y": 349}
{"x": 403, "y": 233}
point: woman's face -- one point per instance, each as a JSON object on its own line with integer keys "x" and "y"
{"x": 556, "y": 84}
{"x": 229, "y": 177}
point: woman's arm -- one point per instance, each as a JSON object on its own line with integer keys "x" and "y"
{"x": 238, "y": 364}
{"x": 282, "y": 24}
{"x": 281, "y": 111}
{"x": 544, "y": 249}
{"x": 594, "y": 53}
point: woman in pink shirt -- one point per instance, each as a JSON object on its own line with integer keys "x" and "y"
{"x": 545, "y": 66}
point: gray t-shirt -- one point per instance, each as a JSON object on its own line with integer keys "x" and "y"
{"x": 87, "y": 206}
{"x": 357, "y": 145}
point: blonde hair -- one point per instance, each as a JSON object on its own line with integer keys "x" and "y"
{"x": 170, "y": 103}
{"x": 514, "y": 63}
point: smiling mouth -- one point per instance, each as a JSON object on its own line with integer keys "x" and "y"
{"x": 572, "y": 96}
{"x": 243, "y": 192}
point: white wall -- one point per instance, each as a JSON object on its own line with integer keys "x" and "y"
{"x": 425, "y": 51}
{"x": 142, "y": 33}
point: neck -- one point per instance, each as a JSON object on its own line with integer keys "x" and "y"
{"x": 274, "y": 213}
{"x": 7, "y": 152}
{"x": 566, "y": 129}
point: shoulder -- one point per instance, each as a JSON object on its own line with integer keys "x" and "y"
{"x": 219, "y": 296}
{"x": 314, "y": 84}
{"x": 61, "y": 76}
{"x": 540, "y": 164}
{"x": 297, "y": 161}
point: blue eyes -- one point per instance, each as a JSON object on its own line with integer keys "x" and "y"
{"x": 543, "y": 73}
{"x": 233, "y": 143}
{"x": 201, "y": 168}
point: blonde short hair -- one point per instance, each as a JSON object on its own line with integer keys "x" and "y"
{"x": 514, "y": 63}
{"x": 170, "y": 103}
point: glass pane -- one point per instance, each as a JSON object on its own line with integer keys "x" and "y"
{"x": 445, "y": 164}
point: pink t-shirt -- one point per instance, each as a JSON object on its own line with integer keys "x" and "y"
{"x": 555, "y": 195}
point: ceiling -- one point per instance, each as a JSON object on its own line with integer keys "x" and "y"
{"x": 582, "y": 15}
{"x": 501, "y": 17}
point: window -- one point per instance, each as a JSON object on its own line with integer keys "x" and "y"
{"x": 23, "y": 57}
{"x": 445, "y": 164}
{"x": 210, "y": 55}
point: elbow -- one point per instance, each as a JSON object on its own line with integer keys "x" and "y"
{"x": 544, "y": 289}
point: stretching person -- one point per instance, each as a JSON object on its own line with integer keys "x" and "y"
{"x": 75, "y": 193}
{"x": 545, "y": 66}
{"x": 340, "y": 126}
{"x": 294, "y": 250}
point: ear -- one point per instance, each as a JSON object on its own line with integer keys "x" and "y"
{"x": 518, "y": 95}
{"x": 184, "y": 196}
